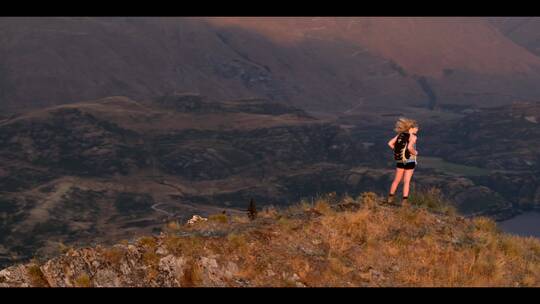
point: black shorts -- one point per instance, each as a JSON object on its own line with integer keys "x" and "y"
{"x": 406, "y": 166}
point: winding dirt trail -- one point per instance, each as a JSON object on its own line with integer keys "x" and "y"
{"x": 155, "y": 208}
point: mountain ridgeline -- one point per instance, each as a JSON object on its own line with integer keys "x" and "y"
{"x": 326, "y": 64}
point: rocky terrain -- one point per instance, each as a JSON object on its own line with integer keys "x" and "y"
{"x": 347, "y": 242}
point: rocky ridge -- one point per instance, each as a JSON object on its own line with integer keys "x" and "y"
{"x": 348, "y": 242}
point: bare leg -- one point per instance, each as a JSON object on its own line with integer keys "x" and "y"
{"x": 397, "y": 180}
{"x": 407, "y": 181}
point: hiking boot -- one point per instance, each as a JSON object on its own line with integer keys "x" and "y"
{"x": 405, "y": 202}
{"x": 390, "y": 200}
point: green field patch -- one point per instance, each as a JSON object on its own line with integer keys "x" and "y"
{"x": 441, "y": 165}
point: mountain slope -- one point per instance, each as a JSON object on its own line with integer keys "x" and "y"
{"x": 318, "y": 245}
{"x": 522, "y": 30}
{"x": 330, "y": 64}
{"x": 424, "y": 46}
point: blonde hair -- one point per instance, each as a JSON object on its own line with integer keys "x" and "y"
{"x": 404, "y": 124}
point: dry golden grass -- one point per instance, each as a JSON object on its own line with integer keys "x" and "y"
{"x": 322, "y": 207}
{"x": 269, "y": 212}
{"x": 373, "y": 246}
{"x": 432, "y": 199}
{"x": 220, "y": 218}
{"x": 150, "y": 258}
{"x": 173, "y": 244}
{"x": 185, "y": 246}
{"x": 192, "y": 275}
{"x": 317, "y": 244}
{"x": 147, "y": 242}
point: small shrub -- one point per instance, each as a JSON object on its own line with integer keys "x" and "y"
{"x": 303, "y": 206}
{"x": 113, "y": 256}
{"x": 220, "y": 218}
{"x": 368, "y": 199}
{"x": 252, "y": 210}
{"x": 236, "y": 240}
{"x": 173, "y": 244}
{"x": 323, "y": 207}
{"x": 150, "y": 258}
{"x": 431, "y": 199}
{"x": 83, "y": 281}
{"x": 193, "y": 245}
{"x": 509, "y": 245}
{"x": 337, "y": 266}
{"x": 183, "y": 245}
{"x": 62, "y": 248}
{"x": 173, "y": 226}
{"x": 269, "y": 212}
{"x": 151, "y": 274}
{"x": 240, "y": 219}
{"x": 147, "y": 242}
{"x": 36, "y": 276}
{"x": 192, "y": 275}
{"x": 347, "y": 199}
{"x": 408, "y": 215}
{"x": 331, "y": 198}
{"x": 485, "y": 224}
{"x": 285, "y": 223}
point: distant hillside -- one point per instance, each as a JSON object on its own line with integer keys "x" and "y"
{"x": 524, "y": 31}
{"x": 109, "y": 168}
{"x": 423, "y": 46}
{"x": 328, "y": 64}
{"x": 103, "y": 170}
{"x": 348, "y": 243}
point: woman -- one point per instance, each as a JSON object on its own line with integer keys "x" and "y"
{"x": 404, "y": 147}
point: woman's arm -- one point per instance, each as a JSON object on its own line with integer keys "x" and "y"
{"x": 410, "y": 147}
{"x": 392, "y": 142}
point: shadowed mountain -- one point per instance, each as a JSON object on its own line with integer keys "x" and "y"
{"x": 330, "y": 64}
{"x": 524, "y": 31}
